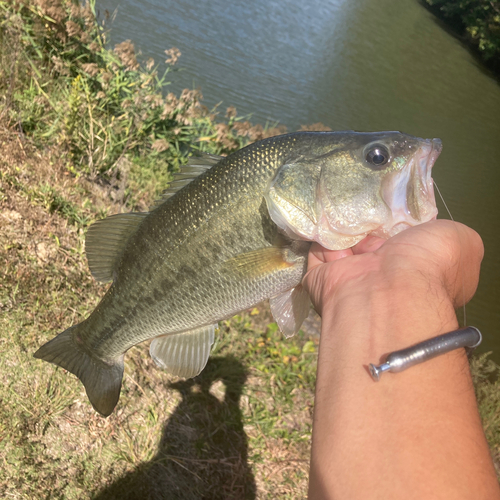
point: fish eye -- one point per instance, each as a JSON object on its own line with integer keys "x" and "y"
{"x": 377, "y": 156}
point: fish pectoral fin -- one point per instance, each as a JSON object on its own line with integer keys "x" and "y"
{"x": 105, "y": 241}
{"x": 290, "y": 309}
{"x": 183, "y": 354}
{"x": 258, "y": 262}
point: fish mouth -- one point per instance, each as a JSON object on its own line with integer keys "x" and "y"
{"x": 423, "y": 190}
{"x": 409, "y": 192}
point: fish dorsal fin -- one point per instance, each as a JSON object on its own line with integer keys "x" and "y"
{"x": 196, "y": 165}
{"x": 183, "y": 354}
{"x": 106, "y": 240}
{"x": 203, "y": 159}
{"x": 290, "y": 309}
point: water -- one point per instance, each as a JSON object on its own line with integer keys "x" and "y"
{"x": 351, "y": 64}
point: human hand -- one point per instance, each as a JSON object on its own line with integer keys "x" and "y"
{"x": 439, "y": 253}
{"x": 375, "y": 440}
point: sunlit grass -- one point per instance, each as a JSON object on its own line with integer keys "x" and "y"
{"x": 243, "y": 426}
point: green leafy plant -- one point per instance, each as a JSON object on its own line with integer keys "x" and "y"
{"x": 65, "y": 87}
{"x": 478, "y": 21}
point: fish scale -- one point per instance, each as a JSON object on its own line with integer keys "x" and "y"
{"x": 236, "y": 234}
{"x": 199, "y": 208}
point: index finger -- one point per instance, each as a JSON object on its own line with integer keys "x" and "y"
{"x": 368, "y": 244}
{"x": 319, "y": 255}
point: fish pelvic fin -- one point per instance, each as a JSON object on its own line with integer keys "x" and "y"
{"x": 102, "y": 380}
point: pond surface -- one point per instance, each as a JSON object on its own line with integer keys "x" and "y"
{"x": 353, "y": 65}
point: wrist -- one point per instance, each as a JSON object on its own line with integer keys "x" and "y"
{"x": 393, "y": 308}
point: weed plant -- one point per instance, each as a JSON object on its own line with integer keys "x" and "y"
{"x": 477, "y": 22}
{"x": 111, "y": 115}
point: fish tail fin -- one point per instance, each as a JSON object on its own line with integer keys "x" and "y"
{"x": 102, "y": 380}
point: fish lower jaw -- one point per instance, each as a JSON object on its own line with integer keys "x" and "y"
{"x": 332, "y": 239}
{"x": 387, "y": 232}
{"x": 335, "y": 239}
{"x": 398, "y": 224}
{"x": 341, "y": 234}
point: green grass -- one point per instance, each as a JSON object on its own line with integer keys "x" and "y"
{"x": 241, "y": 429}
{"x": 110, "y": 116}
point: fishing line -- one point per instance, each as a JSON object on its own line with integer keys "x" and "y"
{"x": 469, "y": 337}
{"x": 461, "y": 261}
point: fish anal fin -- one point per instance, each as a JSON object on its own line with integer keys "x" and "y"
{"x": 184, "y": 354}
{"x": 105, "y": 241}
{"x": 290, "y": 309}
{"x": 102, "y": 379}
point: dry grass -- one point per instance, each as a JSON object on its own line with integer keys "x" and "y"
{"x": 240, "y": 430}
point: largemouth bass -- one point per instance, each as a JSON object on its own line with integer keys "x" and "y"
{"x": 230, "y": 233}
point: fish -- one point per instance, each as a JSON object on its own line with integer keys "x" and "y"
{"x": 231, "y": 232}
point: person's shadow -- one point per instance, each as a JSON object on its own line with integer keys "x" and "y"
{"x": 203, "y": 450}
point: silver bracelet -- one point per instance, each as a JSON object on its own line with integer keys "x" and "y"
{"x": 469, "y": 337}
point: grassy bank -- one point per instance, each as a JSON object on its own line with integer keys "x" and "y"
{"x": 477, "y": 22}
{"x": 87, "y": 131}
{"x": 243, "y": 425}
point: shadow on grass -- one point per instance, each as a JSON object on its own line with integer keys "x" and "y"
{"x": 203, "y": 450}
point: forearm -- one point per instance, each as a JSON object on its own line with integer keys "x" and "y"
{"x": 415, "y": 434}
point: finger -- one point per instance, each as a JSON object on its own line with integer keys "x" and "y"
{"x": 320, "y": 255}
{"x": 368, "y": 244}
